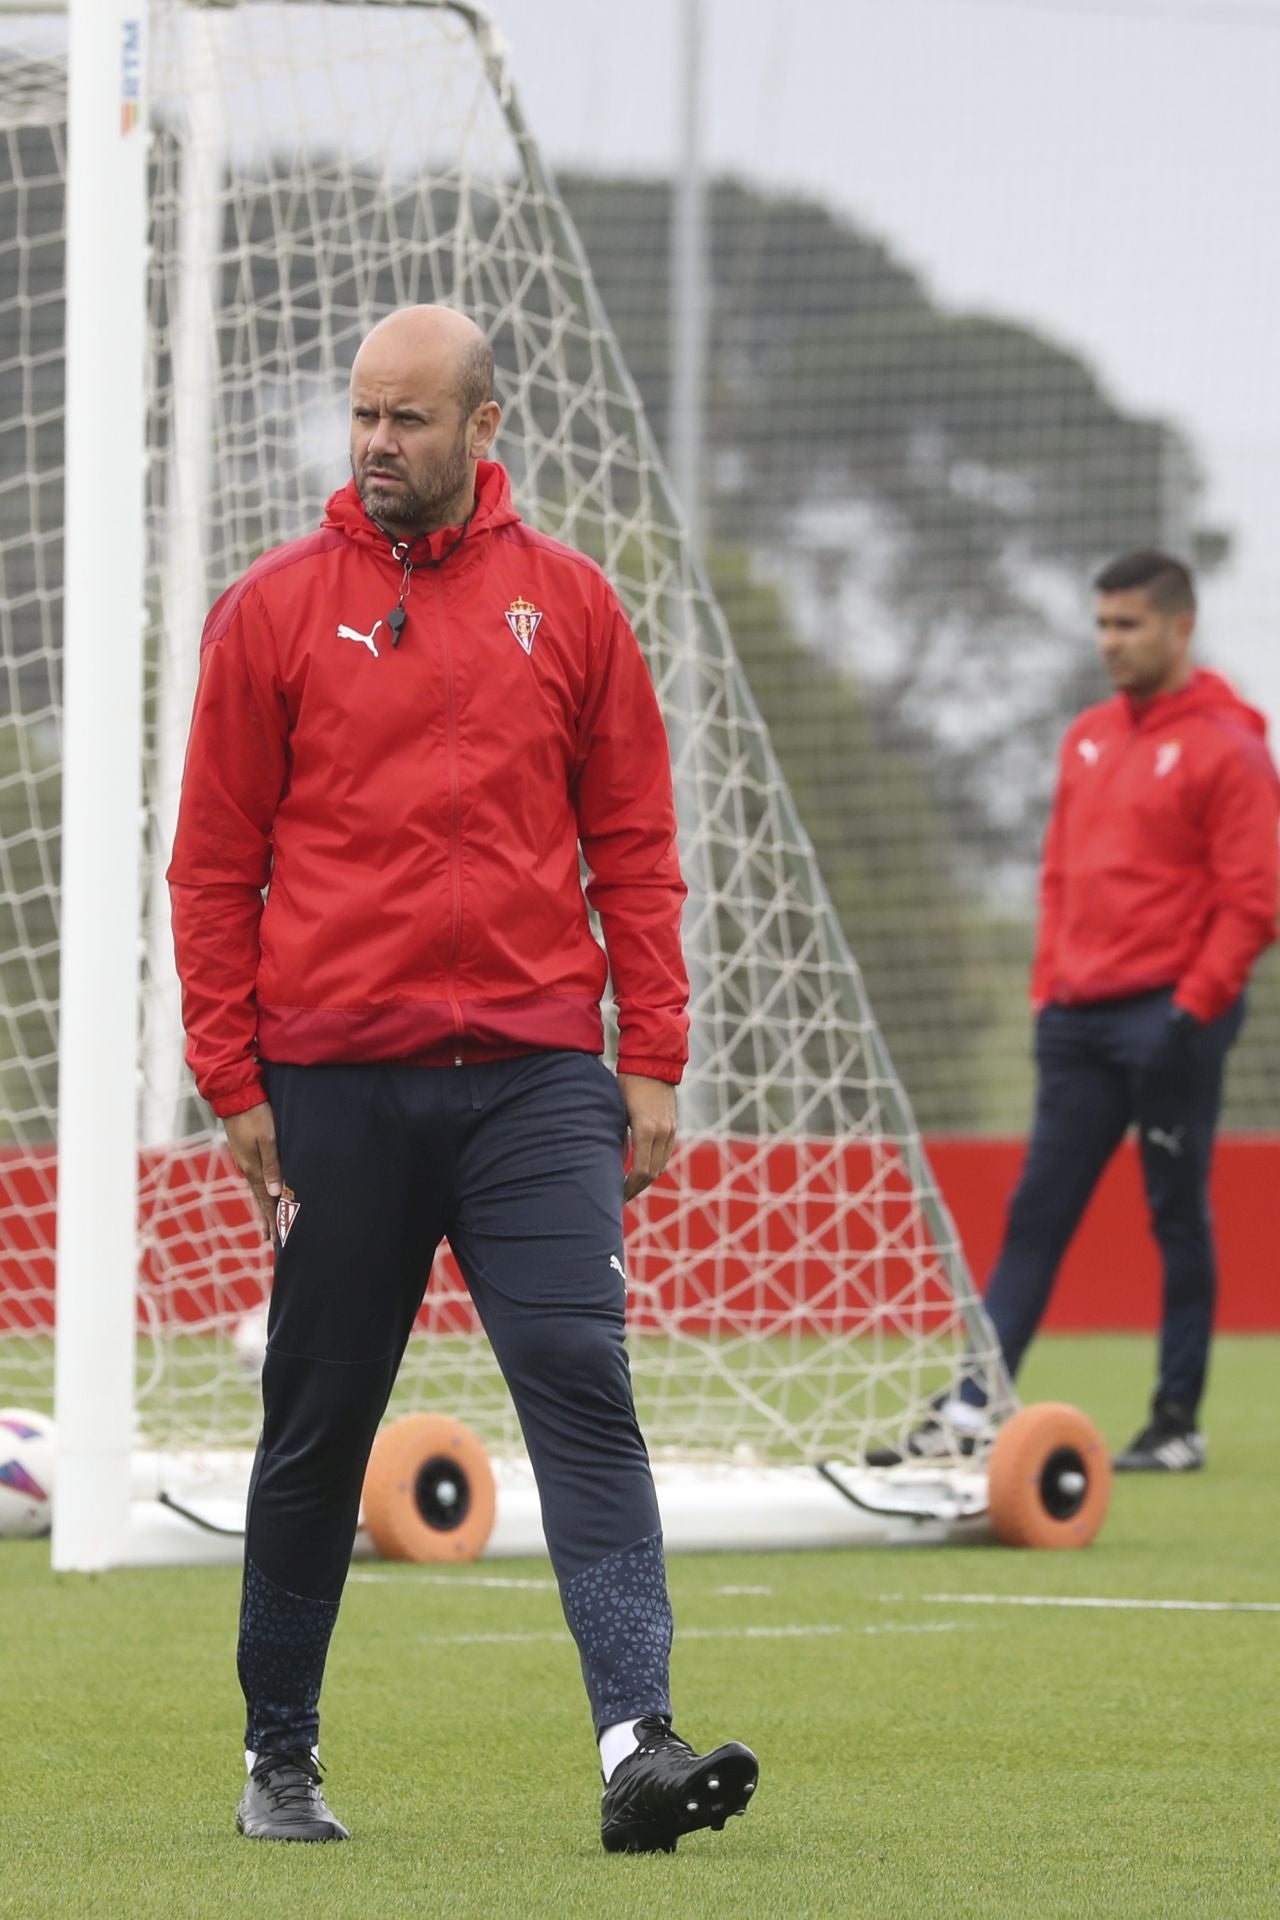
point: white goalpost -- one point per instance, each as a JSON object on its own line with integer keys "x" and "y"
{"x": 102, "y": 782}
{"x": 233, "y": 218}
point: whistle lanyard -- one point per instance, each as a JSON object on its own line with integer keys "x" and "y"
{"x": 400, "y": 551}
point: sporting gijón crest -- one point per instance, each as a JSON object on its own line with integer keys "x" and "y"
{"x": 288, "y": 1207}
{"x": 524, "y": 619}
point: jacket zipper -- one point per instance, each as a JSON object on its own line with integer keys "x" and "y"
{"x": 400, "y": 552}
{"x": 455, "y": 819}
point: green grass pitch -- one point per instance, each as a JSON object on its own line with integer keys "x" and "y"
{"x": 925, "y": 1751}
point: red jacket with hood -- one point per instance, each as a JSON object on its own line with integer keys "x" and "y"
{"x": 414, "y": 811}
{"x": 1160, "y": 862}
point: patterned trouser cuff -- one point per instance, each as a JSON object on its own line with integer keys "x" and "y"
{"x": 620, "y": 1616}
{"x": 284, "y": 1639}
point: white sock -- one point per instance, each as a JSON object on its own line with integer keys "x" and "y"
{"x": 616, "y": 1743}
{"x": 965, "y": 1419}
{"x": 251, "y": 1759}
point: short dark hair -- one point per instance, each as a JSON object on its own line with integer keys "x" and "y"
{"x": 1166, "y": 582}
{"x": 475, "y": 377}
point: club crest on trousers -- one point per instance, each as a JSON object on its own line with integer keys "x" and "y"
{"x": 288, "y": 1207}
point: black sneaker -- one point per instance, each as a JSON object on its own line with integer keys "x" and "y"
{"x": 665, "y": 1789}
{"x": 282, "y": 1800}
{"x": 1169, "y": 1443}
{"x": 951, "y": 1431}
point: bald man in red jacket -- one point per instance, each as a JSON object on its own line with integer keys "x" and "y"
{"x": 411, "y": 724}
{"x": 1158, "y": 893}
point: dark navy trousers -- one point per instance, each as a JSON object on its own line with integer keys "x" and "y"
{"x": 1094, "y": 1079}
{"x": 519, "y": 1163}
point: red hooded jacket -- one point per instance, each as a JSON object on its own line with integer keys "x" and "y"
{"x": 414, "y": 811}
{"x": 1160, "y": 862}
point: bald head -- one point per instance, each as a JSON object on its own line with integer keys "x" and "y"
{"x": 436, "y": 343}
{"x": 422, "y": 414}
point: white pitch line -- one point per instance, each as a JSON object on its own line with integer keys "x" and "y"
{"x": 682, "y": 1633}
{"x": 920, "y": 1626}
{"x": 755, "y": 1633}
{"x": 374, "y": 1577}
{"x": 556, "y": 1636}
{"x": 1080, "y": 1600}
{"x": 422, "y": 1579}
{"x": 494, "y": 1639}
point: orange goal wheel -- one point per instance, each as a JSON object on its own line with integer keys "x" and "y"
{"x": 428, "y": 1490}
{"x": 1048, "y": 1478}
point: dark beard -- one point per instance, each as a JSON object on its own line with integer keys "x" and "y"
{"x": 422, "y": 505}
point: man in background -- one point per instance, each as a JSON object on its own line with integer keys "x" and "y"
{"x": 1157, "y": 894}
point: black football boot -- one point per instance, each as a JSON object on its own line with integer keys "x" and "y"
{"x": 282, "y": 1800}
{"x": 665, "y": 1789}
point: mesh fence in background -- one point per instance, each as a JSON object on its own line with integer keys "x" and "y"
{"x": 795, "y": 1283}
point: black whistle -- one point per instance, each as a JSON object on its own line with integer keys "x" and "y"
{"x": 395, "y": 620}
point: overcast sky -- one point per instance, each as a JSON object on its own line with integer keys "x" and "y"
{"x": 1109, "y": 169}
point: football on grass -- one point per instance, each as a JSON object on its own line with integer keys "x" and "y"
{"x": 250, "y": 1340}
{"x": 26, "y": 1473}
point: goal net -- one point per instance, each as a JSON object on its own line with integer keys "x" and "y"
{"x": 796, "y": 1286}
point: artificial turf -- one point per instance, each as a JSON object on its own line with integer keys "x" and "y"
{"x": 924, "y": 1751}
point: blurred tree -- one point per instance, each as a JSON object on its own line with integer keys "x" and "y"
{"x": 937, "y": 965}
{"x": 935, "y": 487}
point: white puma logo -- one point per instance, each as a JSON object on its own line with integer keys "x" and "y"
{"x": 1171, "y": 1142}
{"x": 365, "y": 639}
{"x": 615, "y": 1262}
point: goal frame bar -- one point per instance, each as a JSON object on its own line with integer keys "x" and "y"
{"x": 102, "y": 778}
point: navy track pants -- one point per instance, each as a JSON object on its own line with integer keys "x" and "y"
{"x": 1092, "y": 1082}
{"x": 519, "y": 1163}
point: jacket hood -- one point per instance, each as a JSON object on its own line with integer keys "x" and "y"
{"x": 346, "y": 511}
{"x": 1205, "y": 692}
